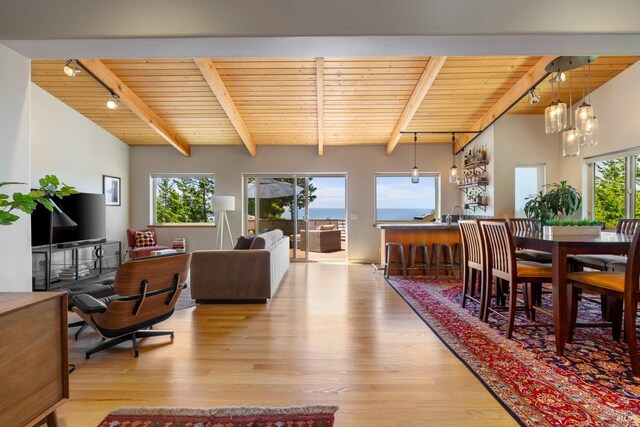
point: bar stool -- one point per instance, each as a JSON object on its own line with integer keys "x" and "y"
{"x": 457, "y": 258}
{"x": 444, "y": 259}
{"x": 399, "y": 263}
{"x": 419, "y": 258}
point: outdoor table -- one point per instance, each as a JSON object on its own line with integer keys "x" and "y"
{"x": 560, "y": 246}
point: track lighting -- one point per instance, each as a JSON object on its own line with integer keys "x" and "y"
{"x": 112, "y": 101}
{"x": 558, "y": 78}
{"x": 534, "y": 98}
{"x": 71, "y": 68}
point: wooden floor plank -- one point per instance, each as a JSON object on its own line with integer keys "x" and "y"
{"x": 333, "y": 335}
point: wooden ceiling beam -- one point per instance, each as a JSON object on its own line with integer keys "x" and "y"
{"x": 320, "y": 101}
{"x": 513, "y": 95}
{"x": 211, "y": 75}
{"x": 135, "y": 104}
{"x": 419, "y": 92}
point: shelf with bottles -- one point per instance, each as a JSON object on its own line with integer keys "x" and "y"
{"x": 473, "y": 179}
{"x": 476, "y": 199}
{"x": 476, "y": 158}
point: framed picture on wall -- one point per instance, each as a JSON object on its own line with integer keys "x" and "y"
{"x": 111, "y": 189}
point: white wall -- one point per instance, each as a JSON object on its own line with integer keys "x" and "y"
{"x": 520, "y": 139}
{"x": 67, "y": 144}
{"x": 15, "y": 240}
{"x": 230, "y": 162}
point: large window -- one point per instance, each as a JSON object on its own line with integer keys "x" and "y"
{"x": 398, "y": 199}
{"x": 609, "y": 195}
{"x": 180, "y": 199}
{"x": 529, "y": 179}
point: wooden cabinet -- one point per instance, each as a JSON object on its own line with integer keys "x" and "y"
{"x": 34, "y": 368}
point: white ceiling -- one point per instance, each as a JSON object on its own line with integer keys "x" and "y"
{"x": 286, "y": 28}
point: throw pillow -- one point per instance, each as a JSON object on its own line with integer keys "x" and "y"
{"x": 244, "y": 242}
{"x": 145, "y": 239}
{"x": 327, "y": 227}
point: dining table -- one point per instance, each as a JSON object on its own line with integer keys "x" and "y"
{"x": 561, "y": 246}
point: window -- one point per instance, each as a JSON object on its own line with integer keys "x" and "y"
{"x": 182, "y": 199}
{"x": 530, "y": 179}
{"x": 397, "y": 199}
{"x": 609, "y": 198}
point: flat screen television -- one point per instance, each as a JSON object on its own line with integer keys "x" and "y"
{"x": 86, "y": 209}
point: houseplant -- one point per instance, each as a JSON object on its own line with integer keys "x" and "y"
{"x": 50, "y": 186}
{"x": 553, "y": 208}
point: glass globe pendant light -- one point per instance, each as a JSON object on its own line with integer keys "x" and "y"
{"x": 453, "y": 172}
{"x": 570, "y": 137}
{"x": 584, "y": 113}
{"x": 550, "y": 120}
{"x": 415, "y": 173}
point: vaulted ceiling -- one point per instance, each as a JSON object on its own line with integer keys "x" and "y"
{"x": 307, "y": 101}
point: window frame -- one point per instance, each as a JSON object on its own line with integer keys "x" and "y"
{"x": 154, "y": 197}
{"x": 407, "y": 175}
{"x": 541, "y": 166}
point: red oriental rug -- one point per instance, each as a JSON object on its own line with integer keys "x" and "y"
{"x": 591, "y": 385}
{"x": 250, "y": 416}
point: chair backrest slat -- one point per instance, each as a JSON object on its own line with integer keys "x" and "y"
{"x": 471, "y": 241}
{"x": 500, "y": 249}
{"x": 627, "y": 225}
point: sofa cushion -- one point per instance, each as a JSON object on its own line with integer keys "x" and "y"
{"x": 244, "y": 242}
{"x": 266, "y": 240}
{"x": 326, "y": 227}
{"x": 144, "y": 239}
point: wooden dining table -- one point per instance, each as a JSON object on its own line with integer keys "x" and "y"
{"x": 560, "y": 246}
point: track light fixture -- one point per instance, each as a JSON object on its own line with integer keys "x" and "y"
{"x": 534, "y": 98}
{"x": 112, "y": 101}
{"x": 71, "y": 68}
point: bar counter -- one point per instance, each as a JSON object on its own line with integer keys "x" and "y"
{"x": 417, "y": 232}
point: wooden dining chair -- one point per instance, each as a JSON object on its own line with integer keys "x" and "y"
{"x": 623, "y": 287}
{"x": 503, "y": 266}
{"x": 601, "y": 262}
{"x": 528, "y": 226}
{"x": 473, "y": 263}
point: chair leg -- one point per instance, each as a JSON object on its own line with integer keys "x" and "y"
{"x": 527, "y": 296}
{"x": 133, "y": 337}
{"x": 486, "y": 290}
{"x": 81, "y": 330}
{"x": 451, "y": 262}
{"x": 107, "y": 344}
{"x": 466, "y": 286}
{"x": 412, "y": 260}
{"x": 616, "y": 318}
{"x": 574, "y": 297}
{"x": 387, "y": 261}
{"x": 630, "y": 315}
{"x": 513, "y": 298}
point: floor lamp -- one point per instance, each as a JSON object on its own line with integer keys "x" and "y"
{"x": 222, "y": 204}
{"x": 57, "y": 219}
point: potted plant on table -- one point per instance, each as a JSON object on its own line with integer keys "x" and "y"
{"x": 555, "y": 206}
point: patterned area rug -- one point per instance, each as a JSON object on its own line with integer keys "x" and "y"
{"x": 251, "y": 416}
{"x": 591, "y": 386}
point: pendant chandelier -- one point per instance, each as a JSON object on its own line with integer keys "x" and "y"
{"x": 453, "y": 172}
{"x": 415, "y": 173}
{"x": 578, "y": 129}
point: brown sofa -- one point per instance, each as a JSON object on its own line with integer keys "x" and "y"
{"x": 241, "y": 275}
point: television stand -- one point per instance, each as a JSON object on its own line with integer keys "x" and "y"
{"x": 98, "y": 258}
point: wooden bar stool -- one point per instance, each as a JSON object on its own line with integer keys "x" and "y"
{"x": 399, "y": 263}
{"x": 419, "y": 258}
{"x": 442, "y": 259}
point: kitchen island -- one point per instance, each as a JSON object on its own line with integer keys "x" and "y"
{"x": 417, "y": 232}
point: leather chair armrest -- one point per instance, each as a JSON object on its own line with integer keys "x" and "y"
{"x": 88, "y": 304}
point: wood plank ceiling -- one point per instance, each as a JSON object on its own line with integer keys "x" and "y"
{"x": 308, "y": 101}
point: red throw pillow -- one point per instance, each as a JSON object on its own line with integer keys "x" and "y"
{"x": 144, "y": 239}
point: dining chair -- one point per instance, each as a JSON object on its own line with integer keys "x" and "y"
{"x": 473, "y": 263}
{"x": 528, "y": 226}
{"x": 601, "y": 262}
{"x": 502, "y": 265}
{"x": 623, "y": 287}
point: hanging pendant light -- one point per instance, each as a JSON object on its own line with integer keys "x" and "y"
{"x": 550, "y": 121}
{"x": 453, "y": 172}
{"x": 584, "y": 113}
{"x": 561, "y": 107}
{"x": 415, "y": 173}
{"x": 570, "y": 137}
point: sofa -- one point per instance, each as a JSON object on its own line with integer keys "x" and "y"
{"x": 241, "y": 275}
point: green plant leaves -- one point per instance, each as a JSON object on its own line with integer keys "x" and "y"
{"x": 7, "y": 218}
{"x": 559, "y": 199}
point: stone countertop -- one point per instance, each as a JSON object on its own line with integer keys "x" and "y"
{"x": 417, "y": 226}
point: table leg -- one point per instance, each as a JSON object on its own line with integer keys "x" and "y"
{"x": 52, "y": 420}
{"x": 560, "y": 300}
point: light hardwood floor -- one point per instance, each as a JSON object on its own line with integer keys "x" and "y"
{"x": 333, "y": 335}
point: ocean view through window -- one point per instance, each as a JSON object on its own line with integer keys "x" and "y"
{"x": 398, "y": 199}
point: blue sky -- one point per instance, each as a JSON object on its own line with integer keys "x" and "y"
{"x": 330, "y": 193}
{"x": 400, "y": 193}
